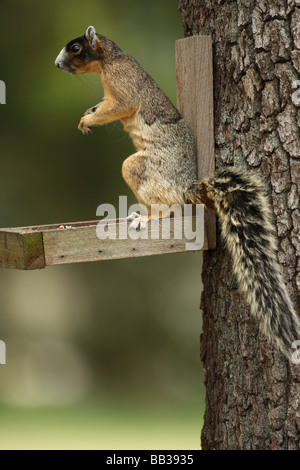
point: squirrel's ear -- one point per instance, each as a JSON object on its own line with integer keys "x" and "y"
{"x": 91, "y": 36}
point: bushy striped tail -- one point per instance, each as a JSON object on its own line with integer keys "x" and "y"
{"x": 245, "y": 217}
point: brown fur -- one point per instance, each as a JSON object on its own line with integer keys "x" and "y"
{"x": 87, "y": 68}
{"x": 133, "y": 170}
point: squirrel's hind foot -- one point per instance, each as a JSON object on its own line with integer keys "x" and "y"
{"x": 137, "y": 221}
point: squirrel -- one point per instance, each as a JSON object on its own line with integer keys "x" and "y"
{"x": 164, "y": 171}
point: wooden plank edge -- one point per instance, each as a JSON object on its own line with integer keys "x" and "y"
{"x": 21, "y": 251}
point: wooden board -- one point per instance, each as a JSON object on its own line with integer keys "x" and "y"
{"x": 194, "y": 73}
{"x": 36, "y": 247}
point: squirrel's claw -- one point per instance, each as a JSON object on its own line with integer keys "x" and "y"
{"x": 86, "y": 130}
{"x": 83, "y": 127}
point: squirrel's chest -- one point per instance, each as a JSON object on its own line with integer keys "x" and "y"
{"x": 142, "y": 134}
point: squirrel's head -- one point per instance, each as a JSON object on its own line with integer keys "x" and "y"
{"x": 83, "y": 54}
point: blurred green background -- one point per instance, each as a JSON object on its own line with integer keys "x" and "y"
{"x": 101, "y": 355}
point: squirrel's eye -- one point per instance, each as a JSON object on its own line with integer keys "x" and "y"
{"x": 75, "y": 48}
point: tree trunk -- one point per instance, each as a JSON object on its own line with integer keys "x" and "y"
{"x": 252, "y": 392}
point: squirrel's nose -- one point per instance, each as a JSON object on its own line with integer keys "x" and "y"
{"x": 57, "y": 64}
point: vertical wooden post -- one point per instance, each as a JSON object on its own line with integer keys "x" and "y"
{"x": 194, "y": 72}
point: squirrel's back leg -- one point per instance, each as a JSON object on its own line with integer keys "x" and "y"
{"x": 133, "y": 172}
{"x": 153, "y": 193}
{"x": 146, "y": 177}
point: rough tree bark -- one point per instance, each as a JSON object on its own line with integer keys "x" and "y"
{"x": 252, "y": 392}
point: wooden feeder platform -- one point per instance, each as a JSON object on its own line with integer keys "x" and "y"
{"x": 36, "y": 247}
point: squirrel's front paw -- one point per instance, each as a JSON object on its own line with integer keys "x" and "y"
{"x": 83, "y": 126}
